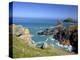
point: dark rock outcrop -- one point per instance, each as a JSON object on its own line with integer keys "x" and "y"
{"x": 69, "y": 36}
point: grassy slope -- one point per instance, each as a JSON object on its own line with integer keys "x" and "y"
{"x": 21, "y": 50}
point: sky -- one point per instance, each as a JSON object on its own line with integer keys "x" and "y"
{"x": 44, "y": 11}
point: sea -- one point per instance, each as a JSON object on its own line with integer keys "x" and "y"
{"x": 35, "y": 28}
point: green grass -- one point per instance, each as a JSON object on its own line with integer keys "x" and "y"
{"x": 20, "y": 50}
{"x": 68, "y": 20}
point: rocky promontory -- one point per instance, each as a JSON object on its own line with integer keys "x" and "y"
{"x": 21, "y": 32}
{"x": 66, "y": 35}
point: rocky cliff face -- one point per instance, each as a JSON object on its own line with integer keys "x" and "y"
{"x": 21, "y": 32}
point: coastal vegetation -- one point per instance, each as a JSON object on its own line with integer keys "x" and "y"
{"x": 68, "y": 20}
{"x": 20, "y": 49}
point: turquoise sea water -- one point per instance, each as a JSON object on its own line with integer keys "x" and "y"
{"x": 34, "y": 28}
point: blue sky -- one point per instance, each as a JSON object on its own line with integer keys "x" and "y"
{"x": 44, "y": 11}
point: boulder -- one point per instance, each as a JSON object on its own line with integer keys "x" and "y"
{"x": 44, "y": 45}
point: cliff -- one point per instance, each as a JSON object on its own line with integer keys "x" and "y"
{"x": 21, "y": 32}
